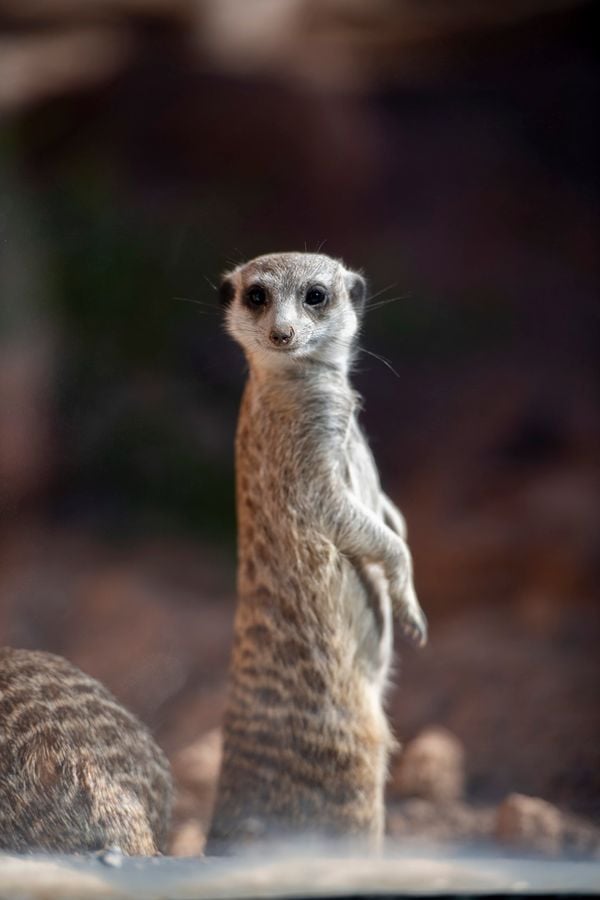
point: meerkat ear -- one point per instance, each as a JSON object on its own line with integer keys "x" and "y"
{"x": 357, "y": 290}
{"x": 226, "y": 291}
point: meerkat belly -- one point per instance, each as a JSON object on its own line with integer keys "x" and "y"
{"x": 306, "y": 741}
{"x": 305, "y": 737}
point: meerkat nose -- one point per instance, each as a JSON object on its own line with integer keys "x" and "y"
{"x": 281, "y": 336}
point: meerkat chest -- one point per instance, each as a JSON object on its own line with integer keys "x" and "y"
{"x": 270, "y": 461}
{"x": 280, "y": 436}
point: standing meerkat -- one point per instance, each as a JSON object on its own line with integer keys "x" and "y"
{"x": 323, "y": 566}
{"x": 77, "y": 771}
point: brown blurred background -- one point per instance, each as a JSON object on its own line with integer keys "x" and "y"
{"x": 448, "y": 149}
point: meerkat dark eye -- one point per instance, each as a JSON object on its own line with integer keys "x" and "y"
{"x": 315, "y": 296}
{"x": 256, "y": 295}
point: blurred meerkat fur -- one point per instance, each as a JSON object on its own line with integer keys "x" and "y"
{"x": 78, "y": 772}
{"x": 322, "y": 567}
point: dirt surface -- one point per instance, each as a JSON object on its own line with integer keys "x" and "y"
{"x": 290, "y": 876}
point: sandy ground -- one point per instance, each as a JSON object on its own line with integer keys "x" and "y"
{"x": 415, "y": 875}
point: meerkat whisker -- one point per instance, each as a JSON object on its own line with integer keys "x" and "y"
{"x": 205, "y": 308}
{"x": 381, "y": 358}
{"x": 380, "y": 292}
{"x": 372, "y": 306}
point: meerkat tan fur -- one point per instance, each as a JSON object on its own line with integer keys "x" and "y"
{"x": 77, "y": 771}
{"x": 323, "y": 565}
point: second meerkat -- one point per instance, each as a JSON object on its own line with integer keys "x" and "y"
{"x": 323, "y": 565}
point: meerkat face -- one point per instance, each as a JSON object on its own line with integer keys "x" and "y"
{"x": 287, "y": 307}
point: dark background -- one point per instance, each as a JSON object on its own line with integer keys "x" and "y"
{"x": 449, "y": 151}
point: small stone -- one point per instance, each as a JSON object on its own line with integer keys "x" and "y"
{"x": 432, "y": 767}
{"x": 530, "y": 824}
{"x": 439, "y": 822}
{"x": 112, "y": 856}
{"x": 253, "y": 827}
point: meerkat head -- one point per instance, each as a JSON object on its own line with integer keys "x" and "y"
{"x": 287, "y": 307}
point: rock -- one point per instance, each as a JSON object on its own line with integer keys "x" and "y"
{"x": 449, "y": 823}
{"x": 581, "y": 838}
{"x": 529, "y": 823}
{"x": 111, "y": 857}
{"x": 431, "y": 767}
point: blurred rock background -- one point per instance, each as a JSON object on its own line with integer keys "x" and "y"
{"x": 450, "y": 151}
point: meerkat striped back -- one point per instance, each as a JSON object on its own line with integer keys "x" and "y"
{"x": 77, "y": 771}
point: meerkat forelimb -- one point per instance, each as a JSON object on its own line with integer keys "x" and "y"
{"x": 359, "y": 533}
{"x": 392, "y": 517}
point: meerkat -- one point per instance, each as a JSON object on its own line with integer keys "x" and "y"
{"x": 323, "y": 566}
{"x": 78, "y": 772}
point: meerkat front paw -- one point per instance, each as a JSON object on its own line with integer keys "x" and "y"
{"x": 413, "y": 624}
{"x": 407, "y": 610}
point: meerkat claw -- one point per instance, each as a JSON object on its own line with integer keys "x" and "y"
{"x": 413, "y": 625}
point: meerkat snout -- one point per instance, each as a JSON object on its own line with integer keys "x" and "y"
{"x": 305, "y": 304}
{"x": 282, "y": 336}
